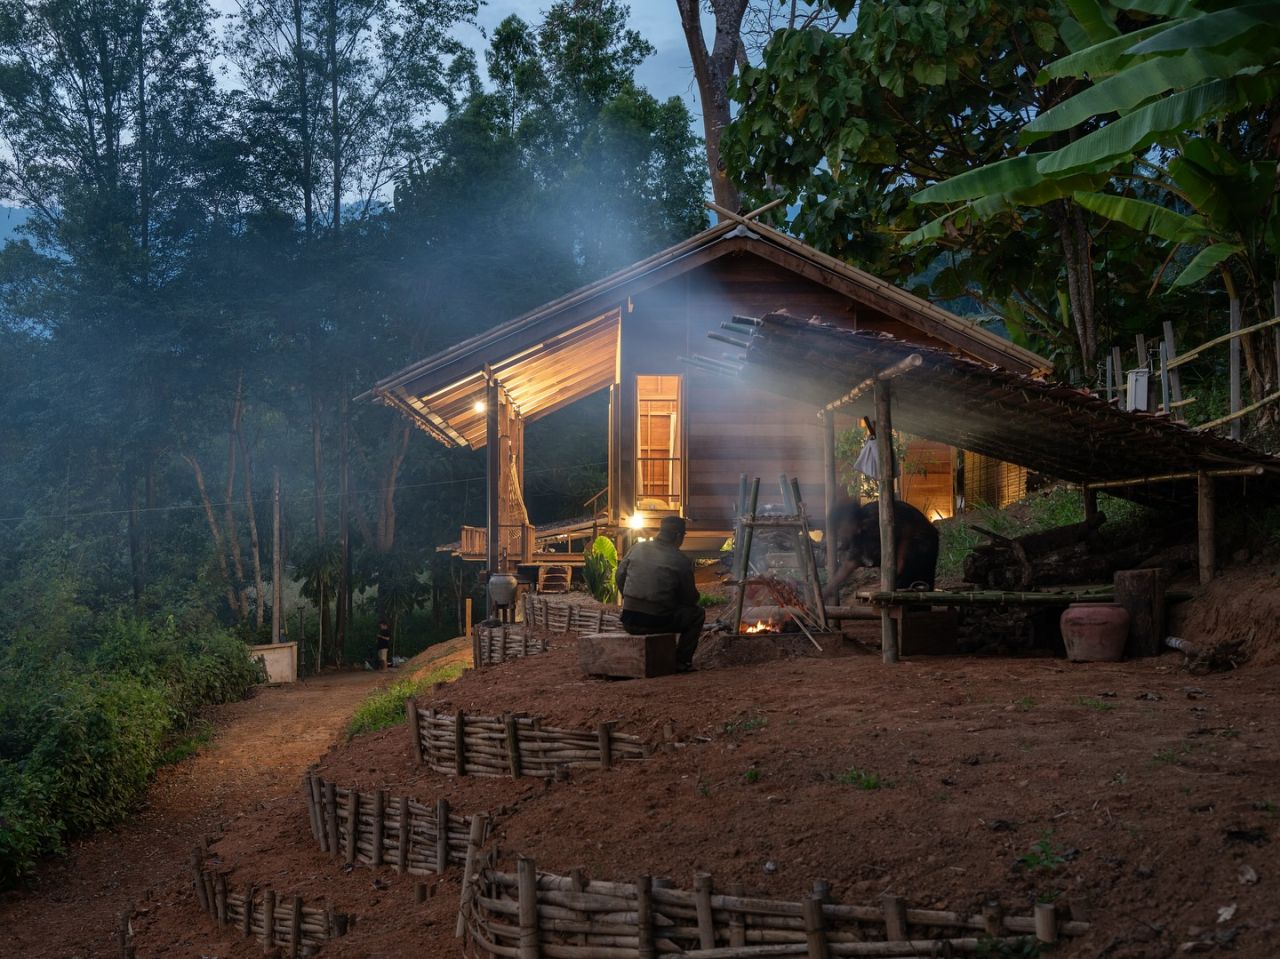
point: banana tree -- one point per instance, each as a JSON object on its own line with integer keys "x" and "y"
{"x": 1194, "y": 81}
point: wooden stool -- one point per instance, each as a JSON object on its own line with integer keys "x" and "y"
{"x": 624, "y": 656}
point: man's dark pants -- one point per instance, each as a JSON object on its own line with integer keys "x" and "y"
{"x": 685, "y": 620}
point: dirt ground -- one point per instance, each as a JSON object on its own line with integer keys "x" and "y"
{"x": 1139, "y": 796}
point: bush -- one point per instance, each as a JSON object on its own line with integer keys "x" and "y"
{"x": 81, "y": 739}
{"x": 601, "y": 564}
{"x": 386, "y": 707}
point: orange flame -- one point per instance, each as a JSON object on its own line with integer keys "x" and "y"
{"x": 761, "y": 627}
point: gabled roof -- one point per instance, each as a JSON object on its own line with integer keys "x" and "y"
{"x": 1053, "y": 428}
{"x": 442, "y": 393}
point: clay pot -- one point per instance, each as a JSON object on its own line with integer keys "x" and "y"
{"x": 502, "y": 588}
{"x": 1095, "y": 632}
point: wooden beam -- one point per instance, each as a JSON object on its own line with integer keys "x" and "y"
{"x": 888, "y": 543}
{"x": 1190, "y": 355}
{"x": 897, "y": 369}
{"x": 1205, "y": 524}
{"x": 1170, "y": 477}
{"x": 493, "y": 481}
{"x": 829, "y": 501}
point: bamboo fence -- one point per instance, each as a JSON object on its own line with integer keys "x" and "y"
{"x": 497, "y": 644}
{"x": 530, "y": 915}
{"x": 379, "y": 829}
{"x": 512, "y": 745}
{"x": 555, "y": 616}
{"x": 276, "y": 921}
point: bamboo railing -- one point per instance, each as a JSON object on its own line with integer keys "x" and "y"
{"x": 555, "y": 616}
{"x": 512, "y": 745}
{"x": 531, "y": 914}
{"x": 274, "y": 920}
{"x": 379, "y": 829}
{"x": 497, "y": 644}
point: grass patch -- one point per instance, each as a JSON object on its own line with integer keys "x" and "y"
{"x": 748, "y": 725}
{"x": 198, "y": 735}
{"x": 711, "y": 599}
{"x": 751, "y": 776}
{"x": 864, "y": 779}
{"x": 386, "y": 707}
{"x": 1100, "y": 705}
{"x": 1044, "y": 856}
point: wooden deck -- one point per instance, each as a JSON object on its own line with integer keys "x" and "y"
{"x": 562, "y": 542}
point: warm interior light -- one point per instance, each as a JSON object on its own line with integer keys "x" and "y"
{"x": 480, "y": 406}
{"x": 636, "y": 521}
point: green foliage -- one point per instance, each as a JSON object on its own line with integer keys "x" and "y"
{"x": 1097, "y": 705}
{"x": 82, "y": 737}
{"x": 751, "y": 776}
{"x": 864, "y": 779}
{"x": 711, "y": 599}
{"x": 386, "y": 707}
{"x": 600, "y": 568}
{"x": 747, "y": 725}
{"x": 1045, "y": 855}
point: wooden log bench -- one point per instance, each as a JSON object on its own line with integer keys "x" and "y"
{"x": 623, "y": 656}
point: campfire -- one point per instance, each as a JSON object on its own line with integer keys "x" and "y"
{"x": 761, "y": 626}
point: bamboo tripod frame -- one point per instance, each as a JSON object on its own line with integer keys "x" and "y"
{"x": 530, "y": 914}
{"x": 512, "y": 745}
{"x": 379, "y": 829}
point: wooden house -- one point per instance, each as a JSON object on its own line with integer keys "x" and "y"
{"x": 679, "y": 437}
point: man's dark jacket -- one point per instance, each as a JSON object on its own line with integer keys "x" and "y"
{"x": 655, "y": 577}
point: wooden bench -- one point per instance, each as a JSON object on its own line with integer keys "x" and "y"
{"x": 623, "y": 656}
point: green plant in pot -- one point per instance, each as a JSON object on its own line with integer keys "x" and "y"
{"x": 601, "y": 563}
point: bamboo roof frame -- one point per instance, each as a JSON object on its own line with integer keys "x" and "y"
{"x": 440, "y": 393}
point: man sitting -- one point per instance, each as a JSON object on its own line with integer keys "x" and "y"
{"x": 655, "y": 580}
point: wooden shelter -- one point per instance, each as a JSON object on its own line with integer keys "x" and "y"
{"x": 679, "y": 436}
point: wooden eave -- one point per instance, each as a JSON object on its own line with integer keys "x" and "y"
{"x": 527, "y": 355}
{"x": 1063, "y": 431}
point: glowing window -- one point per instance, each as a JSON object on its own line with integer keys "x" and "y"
{"x": 658, "y": 466}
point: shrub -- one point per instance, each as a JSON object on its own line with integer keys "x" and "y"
{"x": 386, "y": 706}
{"x": 601, "y": 564}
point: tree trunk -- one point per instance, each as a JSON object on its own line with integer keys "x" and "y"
{"x": 1078, "y": 259}
{"x": 345, "y": 585}
{"x": 317, "y": 464}
{"x": 304, "y": 121}
{"x": 253, "y": 530}
{"x": 387, "y": 488}
{"x": 135, "y": 535}
{"x": 229, "y": 517}
{"x": 712, "y": 71}
{"x": 144, "y": 158}
{"x": 335, "y": 127}
{"x": 219, "y": 547}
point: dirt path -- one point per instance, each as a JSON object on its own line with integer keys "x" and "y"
{"x": 261, "y": 748}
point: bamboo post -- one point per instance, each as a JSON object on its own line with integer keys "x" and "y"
{"x": 198, "y": 873}
{"x": 814, "y": 928}
{"x": 895, "y": 917}
{"x": 1046, "y": 923}
{"x": 604, "y": 734}
{"x": 402, "y": 843}
{"x": 211, "y": 894}
{"x": 308, "y": 793}
{"x": 379, "y": 803}
{"x": 992, "y": 918}
{"x": 331, "y": 813}
{"x": 1165, "y": 398}
{"x": 702, "y": 902}
{"x": 513, "y": 744}
{"x": 1175, "y": 379}
{"x": 122, "y": 931}
{"x": 442, "y": 834}
{"x": 295, "y": 929}
{"x": 1122, "y": 386}
{"x": 277, "y": 561}
{"x": 737, "y": 922}
{"x": 744, "y": 561}
{"x": 1234, "y": 382}
{"x": 474, "y": 839}
{"x": 411, "y": 714}
{"x": 353, "y": 823}
{"x": 459, "y": 746}
{"x": 220, "y": 889}
{"x": 1141, "y": 592}
{"x": 644, "y": 892}
{"x": 1205, "y": 526}
{"x": 246, "y": 920}
{"x": 268, "y": 920}
{"x": 527, "y": 880}
{"x": 831, "y": 492}
{"x": 888, "y": 543}
{"x": 1110, "y": 380}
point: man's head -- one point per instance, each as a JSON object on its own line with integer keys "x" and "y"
{"x": 671, "y": 530}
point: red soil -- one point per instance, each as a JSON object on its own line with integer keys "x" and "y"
{"x": 1138, "y": 796}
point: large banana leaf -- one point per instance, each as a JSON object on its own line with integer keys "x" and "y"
{"x": 1136, "y": 85}
{"x": 1214, "y": 29}
{"x": 1144, "y": 216}
{"x": 1098, "y": 24}
{"x": 1101, "y": 59}
{"x": 1204, "y": 263}
{"x": 1122, "y": 138}
{"x": 1003, "y": 176}
{"x": 1158, "y": 8}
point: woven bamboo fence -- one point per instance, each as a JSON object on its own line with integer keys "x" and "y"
{"x": 512, "y": 745}
{"x": 274, "y": 920}
{"x": 555, "y": 616}
{"x": 497, "y": 644}
{"x": 530, "y": 915}
{"x": 379, "y": 829}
